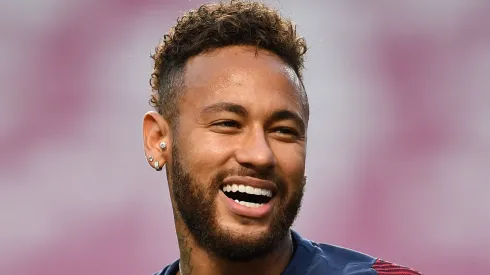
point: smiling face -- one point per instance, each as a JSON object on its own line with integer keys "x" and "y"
{"x": 237, "y": 165}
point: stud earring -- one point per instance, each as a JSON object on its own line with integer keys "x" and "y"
{"x": 163, "y": 145}
{"x": 150, "y": 159}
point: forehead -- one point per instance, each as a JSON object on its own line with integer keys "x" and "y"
{"x": 242, "y": 75}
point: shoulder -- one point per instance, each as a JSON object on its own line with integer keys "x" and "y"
{"x": 386, "y": 268}
{"x": 354, "y": 262}
{"x": 170, "y": 269}
{"x": 312, "y": 258}
{"x": 340, "y": 260}
{"x": 161, "y": 272}
{"x": 319, "y": 258}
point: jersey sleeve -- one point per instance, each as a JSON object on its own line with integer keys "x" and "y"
{"x": 386, "y": 268}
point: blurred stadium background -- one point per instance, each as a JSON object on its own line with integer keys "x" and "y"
{"x": 399, "y": 139}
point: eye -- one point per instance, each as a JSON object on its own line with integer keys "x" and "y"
{"x": 227, "y": 124}
{"x": 286, "y": 131}
{"x": 226, "y": 127}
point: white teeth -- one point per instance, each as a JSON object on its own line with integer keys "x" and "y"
{"x": 241, "y": 188}
{"x": 247, "y": 189}
{"x": 267, "y": 193}
{"x": 249, "y": 204}
{"x": 250, "y": 190}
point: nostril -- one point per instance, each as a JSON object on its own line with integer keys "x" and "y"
{"x": 256, "y": 159}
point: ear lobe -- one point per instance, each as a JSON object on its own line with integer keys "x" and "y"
{"x": 156, "y": 131}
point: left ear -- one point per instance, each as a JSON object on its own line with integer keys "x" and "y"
{"x": 156, "y": 139}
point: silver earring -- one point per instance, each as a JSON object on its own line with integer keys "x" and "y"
{"x": 163, "y": 145}
{"x": 157, "y": 166}
{"x": 150, "y": 158}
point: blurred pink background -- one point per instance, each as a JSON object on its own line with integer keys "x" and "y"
{"x": 399, "y": 139}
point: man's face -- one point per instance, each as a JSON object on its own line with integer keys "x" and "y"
{"x": 238, "y": 156}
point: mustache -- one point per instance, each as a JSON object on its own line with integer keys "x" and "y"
{"x": 242, "y": 171}
{"x": 247, "y": 172}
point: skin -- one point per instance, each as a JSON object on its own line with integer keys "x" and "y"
{"x": 212, "y": 139}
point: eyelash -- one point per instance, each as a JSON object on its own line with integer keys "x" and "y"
{"x": 288, "y": 131}
{"x": 224, "y": 122}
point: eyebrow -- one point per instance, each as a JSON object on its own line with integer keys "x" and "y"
{"x": 225, "y": 107}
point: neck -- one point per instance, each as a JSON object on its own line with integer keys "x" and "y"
{"x": 194, "y": 260}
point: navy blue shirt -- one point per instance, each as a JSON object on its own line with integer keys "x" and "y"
{"x": 312, "y": 258}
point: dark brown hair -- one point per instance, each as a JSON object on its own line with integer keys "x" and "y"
{"x": 214, "y": 26}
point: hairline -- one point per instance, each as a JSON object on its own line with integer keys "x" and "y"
{"x": 178, "y": 83}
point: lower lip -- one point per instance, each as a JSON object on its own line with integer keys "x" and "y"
{"x": 249, "y": 212}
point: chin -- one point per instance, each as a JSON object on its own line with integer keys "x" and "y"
{"x": 243, "y": 243}
{"x": 248, "y": 230}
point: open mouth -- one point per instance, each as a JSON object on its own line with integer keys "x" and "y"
{"x": 247, "y": 195}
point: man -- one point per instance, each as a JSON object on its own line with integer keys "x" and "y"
{"x": 230, "y": 128}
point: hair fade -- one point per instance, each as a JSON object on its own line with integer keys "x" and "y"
{"x": 214, "y": 26}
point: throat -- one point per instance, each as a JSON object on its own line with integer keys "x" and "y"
{"x": 273, "y": 263}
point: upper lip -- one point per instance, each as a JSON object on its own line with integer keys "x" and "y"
{"x": 251, "y": 181}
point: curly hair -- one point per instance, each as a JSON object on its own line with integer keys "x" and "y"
{"x": 214, "y": 26}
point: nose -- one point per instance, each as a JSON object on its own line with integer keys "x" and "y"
{"x": 255, "y": 152}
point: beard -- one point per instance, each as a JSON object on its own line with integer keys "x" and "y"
{"x": 196, "y": 205}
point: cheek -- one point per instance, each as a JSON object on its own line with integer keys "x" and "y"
{"x": 207, "y": 152}
{"x": 290, "y": 160}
